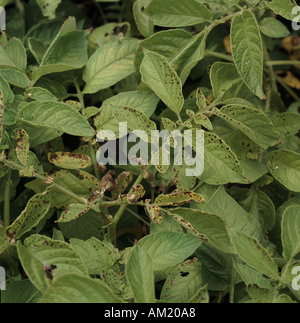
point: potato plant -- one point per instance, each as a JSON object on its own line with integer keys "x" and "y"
{"x": 75, "y": 230}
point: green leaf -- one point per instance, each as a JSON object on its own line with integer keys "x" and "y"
{"x": 175, "y": 13}
{"x": 13, "y": 54}
{"x": 83, "y": 185}
{"x": 273, "y": 28}
{"x": 260, "y": 295}
{"x": 259, "y": 204}
{"x": 73, "y": 212}
{"x": 143, "y": 22}
{"x": 37, "y": 134}
{"x": 97, "y": 255}
{"x": 20, "y": 292}
{"x": 210, "y": 227}
{"x": 37, "y": 48}
{"x": 251, "y": 276}
{"x": 227, "y": 83}
{"x": 111, "y": 63}
{"x": 216, "y": 267}
{"x": 144, "y": 102}
{"x": 36, "y": 208}
{"x": 201, "y": 296}
{"x": 58, "y": 116}
{"x": 182, "y": 50}
{"x": 234, "y": 215}
{"x": 200, "y": 100}
{"x": 247, "y": 51}
{"x": 87, "y": 226}
{"x": 33, "y": 267}
{"x": 254, "y": 254}
{"x": 15, "y": 77}
{"x": 140, "y": 275}
{"x": 190, "y": 55}
{"x": 286, "y": 123}
{"x": 134, "y": 118}
{"x": 67, "y": 52}
{"x": 40, "y": 94}
{"x": 183, "y": 282}
{"x": 33, "y": 166}
{"x": 283, "y": 8}
{"x": 222, "y": 164}
{"x": 107, "y": 34}
{"x": 54, "y": 87}
{"x": 284, "y": 165}
{"x": 48, "y": 7}
{"x": 252, "y": 122}
{"x": 44, "y": 259}
{"x": 163, "y": 80}
{"x": 73, "y": 288}
{"x": 291, "y": 232}
{"x": 168, "y": 223}
{"x": 8, "y": 95}
{"x": 169, "y": 248}
{"x": 3, "y": 3}
{"x": 244, "y": 148}
{"x": 168, "y": 43}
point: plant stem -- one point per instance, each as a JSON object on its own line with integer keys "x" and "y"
{"x": 271, "y": 71}
{"x": 62, "y": 189}
{"x": 219, "y": 55}
{"x": 268, "y": 101}
{"x": 232, "y": 282}
{"x": 91, "y": 148}
{"x": 138, "y": 217}
{"x": 124, "y": 206}
{"x": 7, "y": 199}
{"x": 94, "y": 161}
{"x": 198, "y": 186}
{"x": 112, "y": 202}
{"x": 19, "y": 5}
{"x": 227, "y": 18}
{"x": 278, "y": 63}
{"x": 101, "y": 12}
{"x": 287, "y": 88}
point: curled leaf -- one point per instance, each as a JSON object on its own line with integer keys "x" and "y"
{"x": 136, "y": 193}
{"x": 178, "y": 198}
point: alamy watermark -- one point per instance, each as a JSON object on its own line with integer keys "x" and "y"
{"x": 2, "y": 278}
{"x": 296, "y": 280}
{"x": 2, "y": 18}
{"x": 158, "y": 148}
{"x": 296, "y": 20}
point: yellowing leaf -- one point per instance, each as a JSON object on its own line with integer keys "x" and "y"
{"x": 292, "y": 45}
{"x": 154, "y": 213}
{"x": 69, "y": 161}
{"x": 178, "y": 198}
{"x": 227, "y": 44}
{"x": 22, "y": 146}
{"x": 291, "y": 80}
